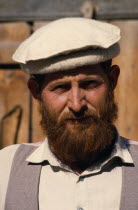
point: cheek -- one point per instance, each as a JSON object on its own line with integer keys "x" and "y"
{"x": 97, "y": 96}
{"x": 54, "y": 102}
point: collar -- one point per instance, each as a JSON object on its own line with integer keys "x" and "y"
{"x": 120, "y": 150}
{"x": 43, "y": 153}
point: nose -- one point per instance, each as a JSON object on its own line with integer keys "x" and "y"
{"x": 76, "y": 99}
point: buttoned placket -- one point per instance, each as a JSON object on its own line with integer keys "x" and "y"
{"x": 80, "y": 198}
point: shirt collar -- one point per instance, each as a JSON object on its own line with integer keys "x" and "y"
{"x": 43, "y": 153}
{"x": 120, "y": 150}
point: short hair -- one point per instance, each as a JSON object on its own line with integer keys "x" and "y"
{"x": 106, "y": 65}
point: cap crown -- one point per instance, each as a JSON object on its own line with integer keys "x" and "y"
{"x": 63, "y": 36}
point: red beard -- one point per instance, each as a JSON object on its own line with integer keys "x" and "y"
{"x": 90, "y": 137}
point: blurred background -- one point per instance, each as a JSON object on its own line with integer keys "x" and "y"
{"x": 19, "y": 118}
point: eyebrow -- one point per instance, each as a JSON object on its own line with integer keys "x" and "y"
{"x": 92, "y": 77}
{"x": 101, "y": 79}
{"x": 54, "y": 84}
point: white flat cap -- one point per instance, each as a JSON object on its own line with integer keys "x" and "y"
{"x": 66, "y": 44}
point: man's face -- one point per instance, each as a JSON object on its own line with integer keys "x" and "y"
{"x": 75, "y": 93}
{"x": 78, "y": 110}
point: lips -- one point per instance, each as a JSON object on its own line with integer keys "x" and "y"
{"x": 78, "y": 120}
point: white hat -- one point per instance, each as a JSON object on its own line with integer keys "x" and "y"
{"x": 68, "y": 43}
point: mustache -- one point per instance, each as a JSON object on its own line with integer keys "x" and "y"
{"x": 87, "y": 115}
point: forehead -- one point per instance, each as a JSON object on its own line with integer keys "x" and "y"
{"x": 84, "y": 71}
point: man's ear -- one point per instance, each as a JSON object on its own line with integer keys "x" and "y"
{"x": 113, "y": 75}
{"x": 34, "y": 88}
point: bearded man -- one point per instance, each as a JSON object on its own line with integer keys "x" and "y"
{"x": 83, "y": 163}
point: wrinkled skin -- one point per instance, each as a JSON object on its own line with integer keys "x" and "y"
{"x": 78, "y": 111}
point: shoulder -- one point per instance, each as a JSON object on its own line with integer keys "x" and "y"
{"x": 129, "y": 142}
{"x": 7, "y": 154}
{"x": 132, "y": 147}
{"x": 6, "y": 158}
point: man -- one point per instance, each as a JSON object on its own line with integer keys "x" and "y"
{"x": 83, "y": 162}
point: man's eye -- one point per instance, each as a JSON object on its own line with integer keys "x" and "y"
{"x": 62, "y": 88}
{"x": 90, "y": 84}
